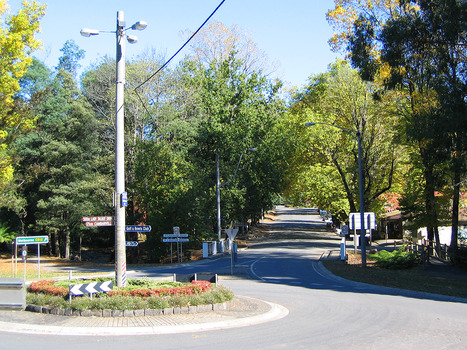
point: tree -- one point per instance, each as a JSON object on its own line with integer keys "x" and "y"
{"x": 423, "y": 54}
{"x": 215, "y": 42}
{"x": 17, "y": 42}
{"x": 341, "y": 98}
{"x": 69, "y": 61}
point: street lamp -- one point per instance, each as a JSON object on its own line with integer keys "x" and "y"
{"x": 120, "y": 196}
{"x": 219, "y": 186}
{"x": 357, "y": 136}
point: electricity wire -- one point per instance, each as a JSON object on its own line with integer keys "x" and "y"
{"x": 181, "y": 48}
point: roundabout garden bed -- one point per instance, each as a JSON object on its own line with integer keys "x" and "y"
{"x": 141, "y": 297}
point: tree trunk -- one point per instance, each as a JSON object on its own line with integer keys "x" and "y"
{"x": 56, "y": 244}
{"x": 455, "y": 212}
{"x": 67, "y": 243}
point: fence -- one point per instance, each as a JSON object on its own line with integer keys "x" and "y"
{"x": 427, "y": 250}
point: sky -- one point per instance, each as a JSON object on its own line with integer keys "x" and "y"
{"x": 293, "y": 33}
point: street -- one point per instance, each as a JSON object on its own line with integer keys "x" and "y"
{"x": 323, "y": 312}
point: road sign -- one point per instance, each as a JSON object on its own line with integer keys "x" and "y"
{"x": 344, "y": 230}
{"x": 99, "y": 223}
{"x": 175, "y": 240}
{"x": 32, "y": 240}
{"x": 138, "y": 228}
{"x": 231, "y": 233}
{"x": 131, "y": 243}
{"x": 124, "y": 199}
{"x": 370, "y": 221}
{"x": 91, "y": 288}
{"x": 173, "y": 235}
{"x": 176, "y": 230}
{"x": 97, "y": 218}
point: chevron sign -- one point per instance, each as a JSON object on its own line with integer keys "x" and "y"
{"x": 91, "y": 288}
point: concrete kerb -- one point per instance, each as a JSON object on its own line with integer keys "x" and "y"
{"x": 243, "y": 311}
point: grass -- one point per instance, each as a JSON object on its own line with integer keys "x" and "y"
{"x": 7, "y": 268}
{"x": 415, "y": 278}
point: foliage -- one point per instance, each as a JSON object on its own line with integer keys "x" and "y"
{"x": 17, "y": 42}
{"x": 395, "y": 260}
{"x": 140, "y": 294}
{"x": 6, "y": 234}
{"x": 342, "y": 100}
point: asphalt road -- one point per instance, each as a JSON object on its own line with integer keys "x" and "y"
{"x": 324, "y": 312}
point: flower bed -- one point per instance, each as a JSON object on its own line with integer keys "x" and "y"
{"x": 138, "y": 295}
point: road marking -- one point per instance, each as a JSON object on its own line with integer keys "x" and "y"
{"x": 252, "y": 266}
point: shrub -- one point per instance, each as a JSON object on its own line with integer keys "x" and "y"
{"x": 396, "y": 260}
{"x": 52, "y": 294}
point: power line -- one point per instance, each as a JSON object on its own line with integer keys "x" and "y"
{"x": 181, "y": 48}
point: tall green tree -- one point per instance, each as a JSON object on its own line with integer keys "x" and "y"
{"x": 423, "y": 54}
{"x": 341, "y": 98}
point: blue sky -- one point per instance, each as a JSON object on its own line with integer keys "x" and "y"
{"x": 292, "y": 33}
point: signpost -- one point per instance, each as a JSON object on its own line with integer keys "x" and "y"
{"x": 178, "y": 238}
{"x": 26, "y": 240}
{"x": 355, "y": 223}
{"x": 232, "y": 233}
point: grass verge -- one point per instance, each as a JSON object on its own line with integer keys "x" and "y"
{"x": 415, "y": 278}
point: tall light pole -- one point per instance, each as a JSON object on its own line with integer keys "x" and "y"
{"x": 219, "y": 186}
{"x": 120, "y": 196}
{"x": 356, "y": 136}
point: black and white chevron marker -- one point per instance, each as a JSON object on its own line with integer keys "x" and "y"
{"x": 91, "y": 288}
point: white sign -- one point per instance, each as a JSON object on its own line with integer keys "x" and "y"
{"x": 176, "y": 230}
{"x": 32, "y": 239}
{"x": 355, "y": 223}
{"x": 231, "y": 233}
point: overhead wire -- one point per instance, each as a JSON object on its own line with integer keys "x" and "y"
{"x": 181, "y": 48}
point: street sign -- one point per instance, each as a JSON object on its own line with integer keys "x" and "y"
{"x": 91, "y": 288}
{"x": 131, "y": 243}
{"x": 173, "y": 235}
{"x": 344, "y": 230}
{"x": 99, "y": 223}
{"x": 370, "y": 221}
{"x": 137, "y": 228}
{"x": 175, "y": 240}
{"x": 176, "y": 230}
{"x": 97, "y": 218}
{"x": 32, "y": 240}
{"x": 231, "y": 233}
{"x": 124, "y": 199}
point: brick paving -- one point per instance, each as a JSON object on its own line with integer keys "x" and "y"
{"x": 242, "y": 311}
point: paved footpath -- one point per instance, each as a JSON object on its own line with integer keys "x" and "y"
{"x": 243, "y": 311}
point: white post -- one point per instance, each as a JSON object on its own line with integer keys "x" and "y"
{"x": 218, "y": 198}
{"x": 120, "y": 253}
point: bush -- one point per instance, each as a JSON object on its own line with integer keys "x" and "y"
{"x": 396, "y": 260}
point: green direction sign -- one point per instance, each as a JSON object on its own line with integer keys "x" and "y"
{"x": 32, "y": 240}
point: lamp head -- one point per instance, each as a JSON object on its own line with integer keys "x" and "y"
{"x": 140, "y": 25}
{"x": 86, "y": 32}
{"x": 132, "y": 39}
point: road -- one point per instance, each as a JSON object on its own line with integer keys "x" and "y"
{"x": 324, "y": 312}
